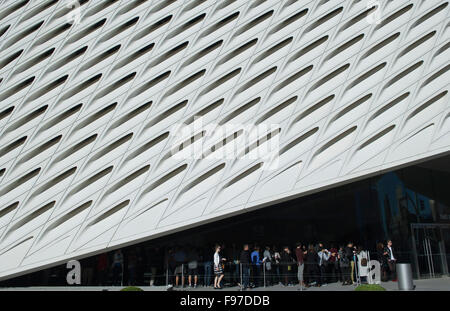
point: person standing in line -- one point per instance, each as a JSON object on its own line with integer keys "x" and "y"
{"x": 267, "y": 259}
{"x": 287, "y": 262}
{"x": 234, "y": 255}
{"x": 117, "y": 267}
{"x": 333, "y": 265}
{"x": 208, "y": 266}
{"x": 245, "y": 266}
{"x": 391, "y": 260}
{"x": 299, "y": 253}
{"x": 180, "y": 270}
{"x": 170, "y": 265}
{"x": 193, "y": 267}
{"x": 344, "y": 264}
{"x": 351, "y": 253}
{"x": 276, "y": 265}
{"x": 324, "y": 256}
{"x": 363, "y": 263}
{"x": 218, "y": 268}
{"x": 318, "y": 247}
{"x": 312, "y": 266}
{"x": 223, "y": 254}
{"x": 256, "y": 263}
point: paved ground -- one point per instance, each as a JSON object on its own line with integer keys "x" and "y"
{"x": 441, "y": 284}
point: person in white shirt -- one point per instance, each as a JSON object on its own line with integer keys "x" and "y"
{"x": 218, "y": 269}
{"x": 276, "y": 264}
{"x": 324, "y": 255}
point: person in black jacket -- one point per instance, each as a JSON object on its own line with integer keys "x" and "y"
{"x": 349, "y": 252}
{"x": 244, "y": 259}
{"x": 344, "y": 265}
{"x": 287, "y": 263}
{"x": 391, "y": 260}
{"x": 312, "y": 267}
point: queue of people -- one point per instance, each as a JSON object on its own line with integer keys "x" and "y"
{"x": 307, "y": 265}
{"x": 247, "y": 266}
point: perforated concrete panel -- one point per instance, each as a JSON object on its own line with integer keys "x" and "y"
{"x": 91, "y": 93}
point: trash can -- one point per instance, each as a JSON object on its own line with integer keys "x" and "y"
{"x": 404, "y": 276}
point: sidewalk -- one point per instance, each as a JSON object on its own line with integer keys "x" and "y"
{"x": 440, "y": 284}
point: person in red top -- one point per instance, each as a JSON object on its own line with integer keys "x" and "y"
{"x": 299, "y": 252}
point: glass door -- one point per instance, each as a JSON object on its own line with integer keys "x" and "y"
{"x": 445, "y": 230}
{"x": 429, "y": 247}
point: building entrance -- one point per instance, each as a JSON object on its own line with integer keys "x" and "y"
{"x": 431, "y": 244}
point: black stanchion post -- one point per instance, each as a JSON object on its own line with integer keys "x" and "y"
{"x": 240, "y": 274}
{"x": 264, "y": 274}
{"x": 182, "y": 275}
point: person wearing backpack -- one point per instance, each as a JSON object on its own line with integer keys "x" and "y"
{"x": 363, "y": 263}
{"x": 286, "y": 262}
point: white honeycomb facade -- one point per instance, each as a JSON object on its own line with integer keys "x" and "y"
{"x": 90, "y": 91}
